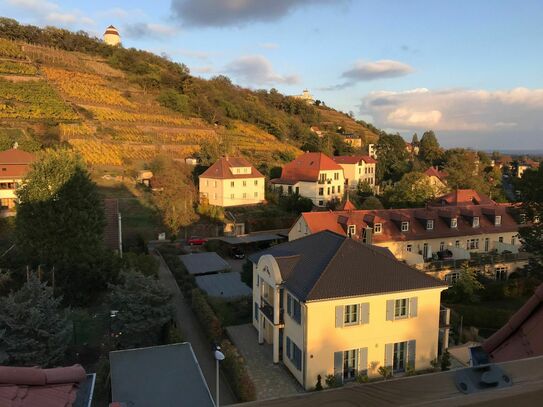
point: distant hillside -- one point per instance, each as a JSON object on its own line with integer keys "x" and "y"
{"x": 122, "y": 107}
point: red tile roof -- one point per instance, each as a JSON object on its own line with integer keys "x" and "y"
{"x": 15, "y": 163}
{"x": 522, "y": 336}
{"x": 221, "y": 169}
{"x": 306, "y": 167}
{"x": 391, "y": 221}
{"x": 348, "y": 205}
{"x": 463, "y": 197}
{"x": 353, "y": 159}
{"x": 433, "y": 171}
{"x": 35, "y": 387}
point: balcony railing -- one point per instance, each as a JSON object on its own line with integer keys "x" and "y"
{"x": 476, "y": 259}
{"x": 267, "y": 310}
{"x": 444, "y": 317}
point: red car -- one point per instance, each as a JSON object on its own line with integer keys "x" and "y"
{"x": 196, "y": 241}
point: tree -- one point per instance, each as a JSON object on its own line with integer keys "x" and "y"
{"x": 143, "y": 306}
{"x": 33, "y": 328}
{"x": 430, "y": 151}
{"x": 415, "y": 140}
{"x": 465, "y": 287}
{"x": 371, "y": 202}
{"x": 174, "y": 194}
{"x": 392, "y": 163}
{"x": 461, "y": 167}
{"x": 413, "y": 190}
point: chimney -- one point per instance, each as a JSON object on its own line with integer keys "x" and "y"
{"x": 368, "y": 235}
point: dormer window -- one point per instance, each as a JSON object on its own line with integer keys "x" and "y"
{"x": 351, "y": 230}
{"x": 377, "y": 228}
{"x": 475, "y": 222}
{"x": 454, "y": 223}
{"x": 497, "y": 220}
{"x": 405, "y": 226}
{"x": 430, "y": 224}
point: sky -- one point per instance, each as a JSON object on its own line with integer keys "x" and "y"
{"x": 472, "y": 71}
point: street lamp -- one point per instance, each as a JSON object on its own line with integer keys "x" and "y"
{"x": 218, "y": 357}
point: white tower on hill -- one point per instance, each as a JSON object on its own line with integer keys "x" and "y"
{"x": 111, "y": 36}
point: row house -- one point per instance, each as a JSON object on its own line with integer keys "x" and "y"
{"x": 357, "y": 169}
{"x": 14, "y": 165}
{"x": 312, "y": 175}
{"x": 330, "y": 305}
{"x": 232, "y": 181}
{"x": 458, "y": 227}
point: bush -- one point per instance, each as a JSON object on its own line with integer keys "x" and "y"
{"x": 185, "y": 281}
{"x": 234, "y": 367}
{"x": 333, "y": 381}
{"x": 144, "y": 263}
{"x": 362, "y": 378}
{"x": 205, "y": 314}
{"x": 171, "y": 333}
{"x": 247, "y": 273}
{"x": 385, "y": 371}
{"x": 318, "y": 386}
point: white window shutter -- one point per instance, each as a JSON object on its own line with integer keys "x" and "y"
{"x": 389, "y": 354}
{"x": 411, "y": 353}
{"x": 390, "y": 310}
{"x": 413, "y": 306}
{"x": 339, "y": 316}
{"x": 365, "y": 313}
{"x": 363, "y": 360}
{"x": 338, "y": 365}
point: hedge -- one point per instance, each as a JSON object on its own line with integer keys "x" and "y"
{"x": 235, "y": 368}
{"x": 206, "y": 316}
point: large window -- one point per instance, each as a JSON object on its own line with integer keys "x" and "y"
{"x": 352, "y": 230}
{"x": 454, "y": 223}
{"x": 430, "y": 224}
{"x": 350, "y": 363}
{"x": 401, "y": 308}
{"x": 475, "y": 221}
{"x": 294, "y": 310}
{"x": 399, "y": 362}
{"x": 473, "y": 244}
{"x": 294, "y": 354}
{"x": 405, "y": 226}
{"x": 497, "y": 220}
{"x": 501, "y": 273}
{"x": 350, "y": 314}
{"x": 321, "y": 191}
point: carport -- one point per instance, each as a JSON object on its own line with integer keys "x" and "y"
{"x": 199, "y": 264}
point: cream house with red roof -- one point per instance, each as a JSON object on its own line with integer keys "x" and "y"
{"x": 459, "y": 226}
{"x": 312, "y": 175}
{"x": 232, "y": 181}
{"x": 356, "y": 169}
{"x": 14, "y": 165}
{"x": 438, "y": 179}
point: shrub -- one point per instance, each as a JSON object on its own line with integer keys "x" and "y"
{"x": 445, "y": 360}
{"x": 206, "y": 316}
{"x": 385, "y": 371}
{"x": 410, "y": 370}
{"x": 234, "y": 367}
{"x": 171, "y": 333}
{"x": 333, "y": 381}
{"x": 362, "y": 378}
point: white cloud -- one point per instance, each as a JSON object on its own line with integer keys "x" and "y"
{"x": 149, "y": 30}
{"x": 47, "y": 12}
{"x": 257, "y": 70}
{"x": 369, "y": 71}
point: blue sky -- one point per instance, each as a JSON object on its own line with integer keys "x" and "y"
{"x": 470, "y": 70}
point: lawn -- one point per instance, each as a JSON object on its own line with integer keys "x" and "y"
{"x": 232, "y": 312}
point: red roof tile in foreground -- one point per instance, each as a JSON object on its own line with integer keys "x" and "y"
{"x": 306, "y": 167}
{"x": 522, "y": 336}
{"x": 433, "y": 171}
{"x": 353, "y": 159}
{"x": 222, "y": 169}
{"x": 35, "y": 387}
{"x": 463, "y": 197}
{"x": 14, "y": 163}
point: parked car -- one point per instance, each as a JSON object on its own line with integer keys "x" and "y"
{"x": 236, "y": 253}
{"x": 196, "y": 241}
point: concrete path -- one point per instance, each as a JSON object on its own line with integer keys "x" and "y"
{"x": 192, "y": 332}
{"x": 271, "y": 380}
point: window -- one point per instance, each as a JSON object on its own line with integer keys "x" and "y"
{"x": 352, "y": 230}
{"x": 333, "y": 189}
{"x": 244, "y": 183}
{"x": 321, "y": 191}
{"x": 350, "y": 363}
{"x": 454, "y": 223}
{"x": 336, "y": 175}
{"x": 256, "y": 182}
{"x": 328, "y": 191}
{"x": 497, "y": 220}
{"x": 457, "y": 243}
{"x": 409, "y": 248}
{"x": 231, "y": 196}
{"x": 487, "y": 244}
{"x": 350, "y": 314}
{"x": 298, "y": 190}
{"x": 452, "y": 277}
{"x": 256, "y": 194}
{"x": 400, "y": 357}
{"x": 513, "y": 240}
{"x": 256, "y": 311}
{"x": 430, "y": 224}
{"x": 289, "y": 190}
{"x": 473, "y": 244}
{"x": 294, "y": 354}
{"x": 321, "y": 203}
{"x": 293, "y": 309}
{"x": 377, "y": 228}
{"x": 401, "y": 308}
{"x": 237, "y": 170}
{"x": 475, "y": 222}
{"x": 322, "y": 178}
{"x": 425, "y": 251}
{"x": 501, "y": 273}
{"x": 441, "y": 246}
{"x": 500, "y": 239}
{"x": 339, "y": 189}
{"x": 215, "y": 184}
{"x": 405, "y": 226}
{"x": 232, "y": 184}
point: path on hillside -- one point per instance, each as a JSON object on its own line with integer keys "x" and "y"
{"x": 192, "y": 332}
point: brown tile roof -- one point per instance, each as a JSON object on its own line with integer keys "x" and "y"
{"x": 14, "y": 163}
{"x": 391, "y": 222}
{"x": 353, "y": 159}
{"x": 326, "y": 265}
{"x": 306, "y": 167}
{"x": 462, "y": 197}
{"x": 35, "y": 387}
{"x": 433, "y": 171}
{"x": 348, "y": 205}
{"x": 111, "y": 232}
{"x": 221, "y": 169}
{"x": 522, "y": 336}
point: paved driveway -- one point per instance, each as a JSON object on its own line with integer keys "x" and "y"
{"x": 271, "y": 380}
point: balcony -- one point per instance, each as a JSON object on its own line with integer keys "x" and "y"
{"x": 444, "y": 317}
{"x": 476, "y": 260}
{"x": 267, "y": 310}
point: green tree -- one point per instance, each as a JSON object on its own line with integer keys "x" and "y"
{"x": 465, "y": 287}
{"x": 413, "y": 190}
{"x": 33, "y": 328}
{"x": 415, "y": 140}
{"x": 461, "y": 167}
{"x": 392, "y": 157}
{"x": 143, "y": 306}
{"x": 430, "y": 151}
{"x": 371, "y": 202}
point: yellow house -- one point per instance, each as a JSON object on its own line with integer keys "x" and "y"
{"x": 14, "y": 165}
{"x": 356, "y": 169}
{"x": 312, "y": 175}
{"x": 438, "y": 180}
{"x": 331, "y": 305}
{"x": 232, "y": 181}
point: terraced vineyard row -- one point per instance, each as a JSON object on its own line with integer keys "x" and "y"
{"x": 86, "y": 87}
{"x": 17, "y": 68}
{"x": 75, "y": 130}
{"x": 163, "y": 136}
{"x": 32, "y": 100}
{"x": 113, "y": 115}
{"x": 96, "y": 152}
{"x": 53, "y": 56}
{"x": 9, "y": 49}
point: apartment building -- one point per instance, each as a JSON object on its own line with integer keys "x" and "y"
{"x": 312, "y": 175}
{"x": 232, "y": 181}
{"x": 14, "y": 165}
{"x": 357, "y": 169}
{"x": 461, "y": 226}
{"x": 331, "y": 305}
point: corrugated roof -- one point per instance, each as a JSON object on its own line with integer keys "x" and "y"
{"x": 306, "y": 167}
{"x": 221, "y": 169}
{"x": 332, "y": 266}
